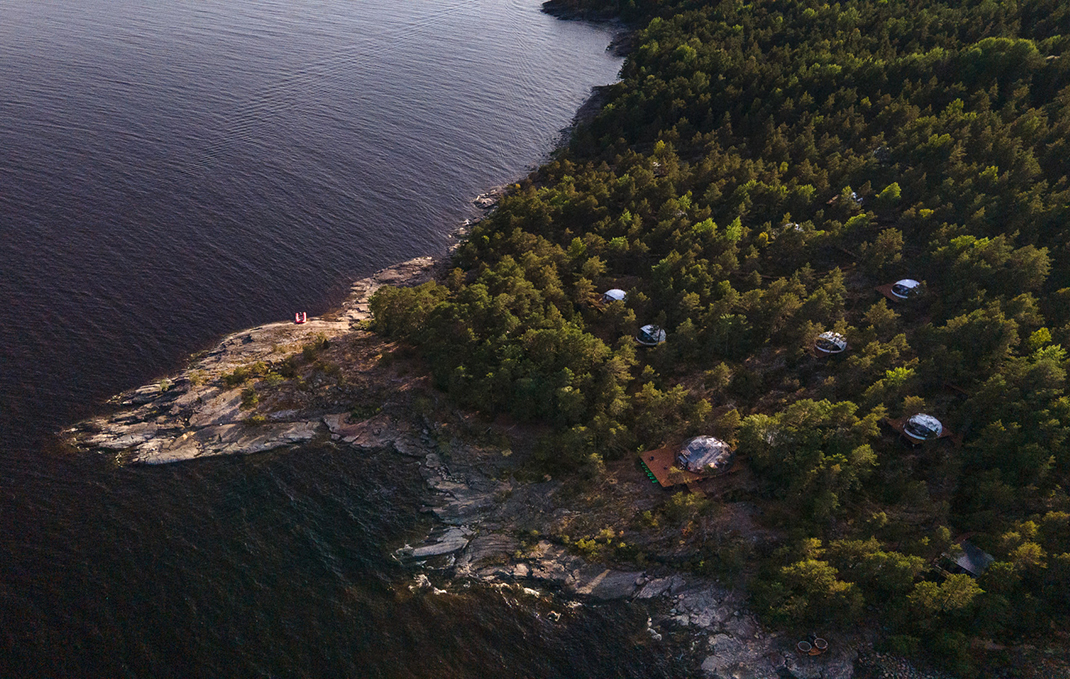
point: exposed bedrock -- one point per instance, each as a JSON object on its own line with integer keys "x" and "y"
{"x": 195, "y": 414}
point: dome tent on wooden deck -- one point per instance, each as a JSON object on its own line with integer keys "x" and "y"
{"x": 903, "y": 290}
{"x": 698, "y": 459}
{"x": 614, "y": 295}
{"x": 650, "y": 335}
{"x": 907, "y": 288}
{"x": 922, "y": 427}
{"x": 830, "y": 343}
{"x": 705, "y": 455}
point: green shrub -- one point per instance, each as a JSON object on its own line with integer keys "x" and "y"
{"x": 239, "y": 375}
{"x": 249, "y": 398}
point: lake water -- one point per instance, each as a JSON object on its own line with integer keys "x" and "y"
{"x": 172, "y": 171}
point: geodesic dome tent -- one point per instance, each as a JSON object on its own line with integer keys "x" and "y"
{"x": 907, "y": 288}
{"x": 922, "y": 427}
{"x": 614, "y": 295}
{"x": 705, "y": 454}
{"x": 650, "y": 335}
{"x": 830, "y": 343}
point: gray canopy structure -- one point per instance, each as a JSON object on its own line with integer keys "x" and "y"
{"x": 650, "y": 335}
{"x": 704, "y": 455}
{"x": 830, "y": 343}
{"x": 973, "y": 559}
{"x": 614, "y": 295}
{"x": 908, "y": 288}
{"x": 922, "y": 427}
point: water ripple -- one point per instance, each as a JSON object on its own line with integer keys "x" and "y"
{"x": 169, "y": 172}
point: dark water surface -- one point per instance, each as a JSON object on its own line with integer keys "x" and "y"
{"x": 172, "y": 171}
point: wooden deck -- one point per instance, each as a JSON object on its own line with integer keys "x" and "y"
{"x": 886, "y": 290}
{"x": 662, "y": 464}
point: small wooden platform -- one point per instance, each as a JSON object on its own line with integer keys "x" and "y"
{"x": 662, "y": 463}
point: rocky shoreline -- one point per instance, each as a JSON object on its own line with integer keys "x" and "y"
{"x": 199, "y": 412}
{"x": 490, "y": 526}
{"x": 485, "y": 535}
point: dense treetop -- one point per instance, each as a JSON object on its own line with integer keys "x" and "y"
{"x": 758, "y": 171}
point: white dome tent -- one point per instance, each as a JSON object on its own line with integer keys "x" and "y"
{"x": 614, "y": 295}
{"x": 908, "y": 288}
{"x": 705, "y": 454}
{"x": 831, "y": 343}
{"x": 650, "y": 335}
{"x": 922, "y": 427}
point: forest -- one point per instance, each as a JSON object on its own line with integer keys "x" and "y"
{"x": 758, "y": 172}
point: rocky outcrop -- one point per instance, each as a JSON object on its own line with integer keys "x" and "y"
{"x": 606, "y": 583}
{"x": 380, "y": 431}
{"x": 489, "y": 200}
{"x": 195, "y": 414}
{"x": 737, "y": 646}
{"x": 477, "y": 543}
{"x": 439, "y": 543}
{"x": 224, "y": 439}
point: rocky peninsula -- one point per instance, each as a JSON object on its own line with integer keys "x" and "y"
{"x": 199, "y": 411}
{"x": 331, "y": 378}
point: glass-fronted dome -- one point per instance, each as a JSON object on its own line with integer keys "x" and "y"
{"x": 650, "y": 335}
{"x": 923, "y": 427}
{"x": 705, "y": 454}
{"x": 831, "y": 342}
{"x": 614, "y": 295}
{"x": 906, "y": 288}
